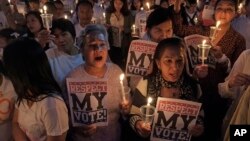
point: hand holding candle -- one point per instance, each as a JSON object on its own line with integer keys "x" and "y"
{"x": 203, "y": 51}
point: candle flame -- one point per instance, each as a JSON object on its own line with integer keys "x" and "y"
{"x": 149, "y": 100}
{"x": 71, "y": 11}
{"x": 217, "y": 24}
{"x": 240, "y": 6}
{"x": 141, "y": 8}
{"x": 41, "y": 11}
{"x": 133, "y": 25}
{"x": 65, "y": 17}
{"x": 148, "y": 5}
{"x": 122, "y": 76}
{"x": 204, "y": 42}
{"x": 104, "y": 15}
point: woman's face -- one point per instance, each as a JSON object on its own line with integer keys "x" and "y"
{"x": 63, "y": 40}
{"x": 118, "y": 5}
{"x": 33, "y": 24}
{"x": 161, "y": 31}
{"x": 225, "y": 12}
{"x": 95, "y": 51}
{"x": 171, "y": 64}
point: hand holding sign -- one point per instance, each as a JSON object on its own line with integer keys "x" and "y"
{"x": 196, "y": 130}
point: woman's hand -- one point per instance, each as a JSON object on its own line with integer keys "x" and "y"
{"x": 87, "y": 130}
{"x": 196, "y": 130}
{"x": 144, "y": 129}
{"x": 200, "y": 71}
{"x": 45, "y": 37}
{"x": 125, "y": 107}
{"x": 239, "y": 79}
{"x": 217, "y": 52}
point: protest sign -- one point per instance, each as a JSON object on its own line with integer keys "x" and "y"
{"x": 140, "y": 56}
{"x": 87, "y": 101}
{"x": 191, "y": 42}
{"x": 173, "y": 118}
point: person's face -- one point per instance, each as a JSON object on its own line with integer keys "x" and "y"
{"x": 63, "y": 40}
{"x": 137, "y": 4}
{"x": 225, "y": 12}
{"x": 95, "y": 51}
{"x": 85, "y": 13}
{"x": 118, "y": 5}
{"x": 164, "y": 4}
{"x": 34, "y": 6}
{"x": 59, "y": 9}
{"x": 171, "y": 64}
{"x": 192, "y": 8}
{"x": 33, "y": 24}
{"x": 161, "y": 31}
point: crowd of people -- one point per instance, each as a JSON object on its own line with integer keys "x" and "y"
{"x": 88, "y": 41}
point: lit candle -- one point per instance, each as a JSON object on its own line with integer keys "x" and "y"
{"x": 148, "y": 109}
{"x": 240, "y": 7}
{"x": 11, "y": 6}
{"x": 195, "y": 20}
{"x": 41, "y": 11}
{"x": 122, "y": 87}
{"x": 65, "y": 17}
{"x": 104, "y": 15}
{"x": 45, "y": 9}
{"x": 203, "y": 52}
{"x": 133, "y": 29}
{"x": 141, "y": 8}
{"x": 148, "y": 5}
{"x": 71, "y": 11}
{"x": 217, "y": 24}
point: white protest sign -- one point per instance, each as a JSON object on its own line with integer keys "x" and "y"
{"x": 87, "y": 102}
{"x": 173, "y": 118}
{"x": 140, "y": 56}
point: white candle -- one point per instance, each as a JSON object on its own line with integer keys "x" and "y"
{"x": 240, "y": 7}
{"x": 71, "y": 11}
{"x": 203, "y": 52}
{"x": 41, "y": 11}
{"x": 133, "y": 29}
{"x": 45, "y": 9}
{"x": 148, "y": 109}
{"x": 104, "y": 15}
{"x": 148, "y": 5}
{"x": 65, "y": 17}
{"x": 217, "y": 24}
{"x": 122, "y": 87}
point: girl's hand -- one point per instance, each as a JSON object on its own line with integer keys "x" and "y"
{"x": 144, "y": 129}
{"x": 45, "y": 37}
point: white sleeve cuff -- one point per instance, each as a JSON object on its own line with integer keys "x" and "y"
{"x": 225, "y": 59}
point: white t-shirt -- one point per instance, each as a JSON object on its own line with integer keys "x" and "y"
{"x": 7, "y": 98}
{"x": 112, "y": 131}
{"x": 61, "y": 64}
{"x": 48, "y": 117}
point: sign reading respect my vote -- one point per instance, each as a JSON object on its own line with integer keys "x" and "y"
{"x": 172, "y": 119}
{"x": 140, "y": 56}
{"x": 87, "y": 101}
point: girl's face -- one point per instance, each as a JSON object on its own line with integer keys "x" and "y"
{"x": 161, "y": 31}
{"x": 118, "y": 5}
{"x": 95, "y": 51}
{"x": 63, "y": 40}
{"x": 225, "y": 12}
{"x": 33, "y": 24}
{"x": 171, "y": 64}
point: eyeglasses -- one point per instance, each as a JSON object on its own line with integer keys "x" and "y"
{"x": 226, "y": 10}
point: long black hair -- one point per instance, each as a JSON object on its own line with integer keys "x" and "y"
{"x": 124, "y": 9}
{"x": 37, "y": 14}
{"x": 28, "y": 68}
